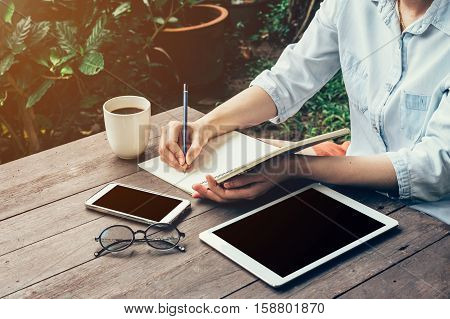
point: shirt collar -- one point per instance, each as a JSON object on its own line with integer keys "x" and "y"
{"x": 438, "y": 15}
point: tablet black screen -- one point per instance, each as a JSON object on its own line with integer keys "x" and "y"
{"x": 289, "y": 235}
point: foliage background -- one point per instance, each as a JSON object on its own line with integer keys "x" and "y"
{"x": 61, "y": 59}
{"x": 325, "y": 112}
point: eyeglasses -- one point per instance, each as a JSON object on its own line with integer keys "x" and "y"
{"x": 160, "y": 236}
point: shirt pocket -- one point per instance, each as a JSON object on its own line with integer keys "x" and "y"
{"x": 414, "y": 109}
{"x": 355, "y": 76}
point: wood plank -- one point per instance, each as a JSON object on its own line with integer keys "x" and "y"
{"x": 57, "y": 217}
{"x": 28, "y": 265}
{"x": 50, "y": 175}
{"x": 72, "y": 246}
{"x": 70, "y": 212}
{"x": 423, "y": 275}
{"x": 112, "y": 276}
{"x": 416, "y": 231}
{"x": 207, "y": 274}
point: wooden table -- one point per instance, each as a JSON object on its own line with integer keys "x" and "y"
{"x": 47, "y": 240}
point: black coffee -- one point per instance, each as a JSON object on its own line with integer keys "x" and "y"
{"x": 127, "y": 110}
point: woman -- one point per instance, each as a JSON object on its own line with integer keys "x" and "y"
{"x": 395, "y": 60}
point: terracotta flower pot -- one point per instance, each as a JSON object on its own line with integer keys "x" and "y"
{"x": 197, "y": 50}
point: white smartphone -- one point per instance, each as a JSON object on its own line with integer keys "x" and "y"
{"x": 137, "y": 204}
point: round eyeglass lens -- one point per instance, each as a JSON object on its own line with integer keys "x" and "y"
{"x": 162, "y": 236}
{"x": 116, "y": 238}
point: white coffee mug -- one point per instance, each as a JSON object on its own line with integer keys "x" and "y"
{"x": 128, "y": 134}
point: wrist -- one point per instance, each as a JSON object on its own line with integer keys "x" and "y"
{"x": 300, "y": 166}
{"x": 211, "y": 126}
{"x": 291, "y": 167}
{"x": 205, "y": 128}
{"x": 281, "y": 168}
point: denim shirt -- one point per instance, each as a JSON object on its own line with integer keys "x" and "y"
{"x": 397, "y": 83}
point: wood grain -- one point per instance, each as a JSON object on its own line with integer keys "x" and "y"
{"x": 44, "y": 177}
{"x": 202, "y": 273}
{"x": 416, "y": 231}
{"x": 423, "y": 275}
{"x": 131, "y": 273}
{"x": 57, "y": 217}
{"x": 47, "y": 246}
{"x": 63, "y": 251}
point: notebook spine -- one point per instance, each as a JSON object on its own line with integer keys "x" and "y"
{"x": 204, "y": 182}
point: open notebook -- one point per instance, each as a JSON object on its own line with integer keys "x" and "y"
{"x": 226, "y": 156}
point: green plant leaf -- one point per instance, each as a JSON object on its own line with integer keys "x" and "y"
{"x": 6, "y": 63}
{"x": 66, "y": 58}
{"x": 16, "y": 41}
{"x": 92, "y": 63}
{"x": 159, "y": 20}
{"x": 97, "y": 35}
{"x": 39, "y": 93}
{"x": 38, "y": 32}
{"x": 172, "y": 20}
{"x": 9, "y": 12}
{"x": 54, "y": 58}
{"x": 122, "y": 8}
{"x": 66, "y": 70}
{"x": 66, "y": 36}
{"x": 41, "y": 60}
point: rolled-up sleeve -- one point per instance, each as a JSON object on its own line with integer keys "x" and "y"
{"x": 304, "y": 67}
{"x": 423, "y": 171}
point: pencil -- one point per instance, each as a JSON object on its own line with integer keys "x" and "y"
{"x": 185, "y": 116}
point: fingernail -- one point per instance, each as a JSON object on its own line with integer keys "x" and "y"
{"x": 227, "y": 185}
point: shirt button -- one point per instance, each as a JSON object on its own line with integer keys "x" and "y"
{"x": 375, "y": 128}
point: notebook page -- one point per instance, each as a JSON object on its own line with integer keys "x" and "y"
{"x": 220, "y": 155}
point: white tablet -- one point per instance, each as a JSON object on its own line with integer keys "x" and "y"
{"x": 296, "y": 233}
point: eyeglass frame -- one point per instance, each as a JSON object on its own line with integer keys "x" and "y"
{"x": 140, "y": 240}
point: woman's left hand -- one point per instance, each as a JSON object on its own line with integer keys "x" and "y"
{"x": 246, "y": 186}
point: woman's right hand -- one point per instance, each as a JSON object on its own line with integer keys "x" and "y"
{"x": 171, "y": 143}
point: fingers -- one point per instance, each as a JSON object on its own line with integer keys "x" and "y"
{"x": 164, "y": 152}
{"x": 219, "y": 194}
{"x": 198, "y": 140}
{"x": 175, "y": 149}
{"x": 242, "y": 180}
{"x": 169, "y": 150}
{"x": 193, "y": 152}
{"x": 173, "y": 135}
{"x": 202, "y": 191}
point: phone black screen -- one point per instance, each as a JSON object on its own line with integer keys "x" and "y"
{"x": 289, "y": 235}
{"x": 137, "y": 203}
